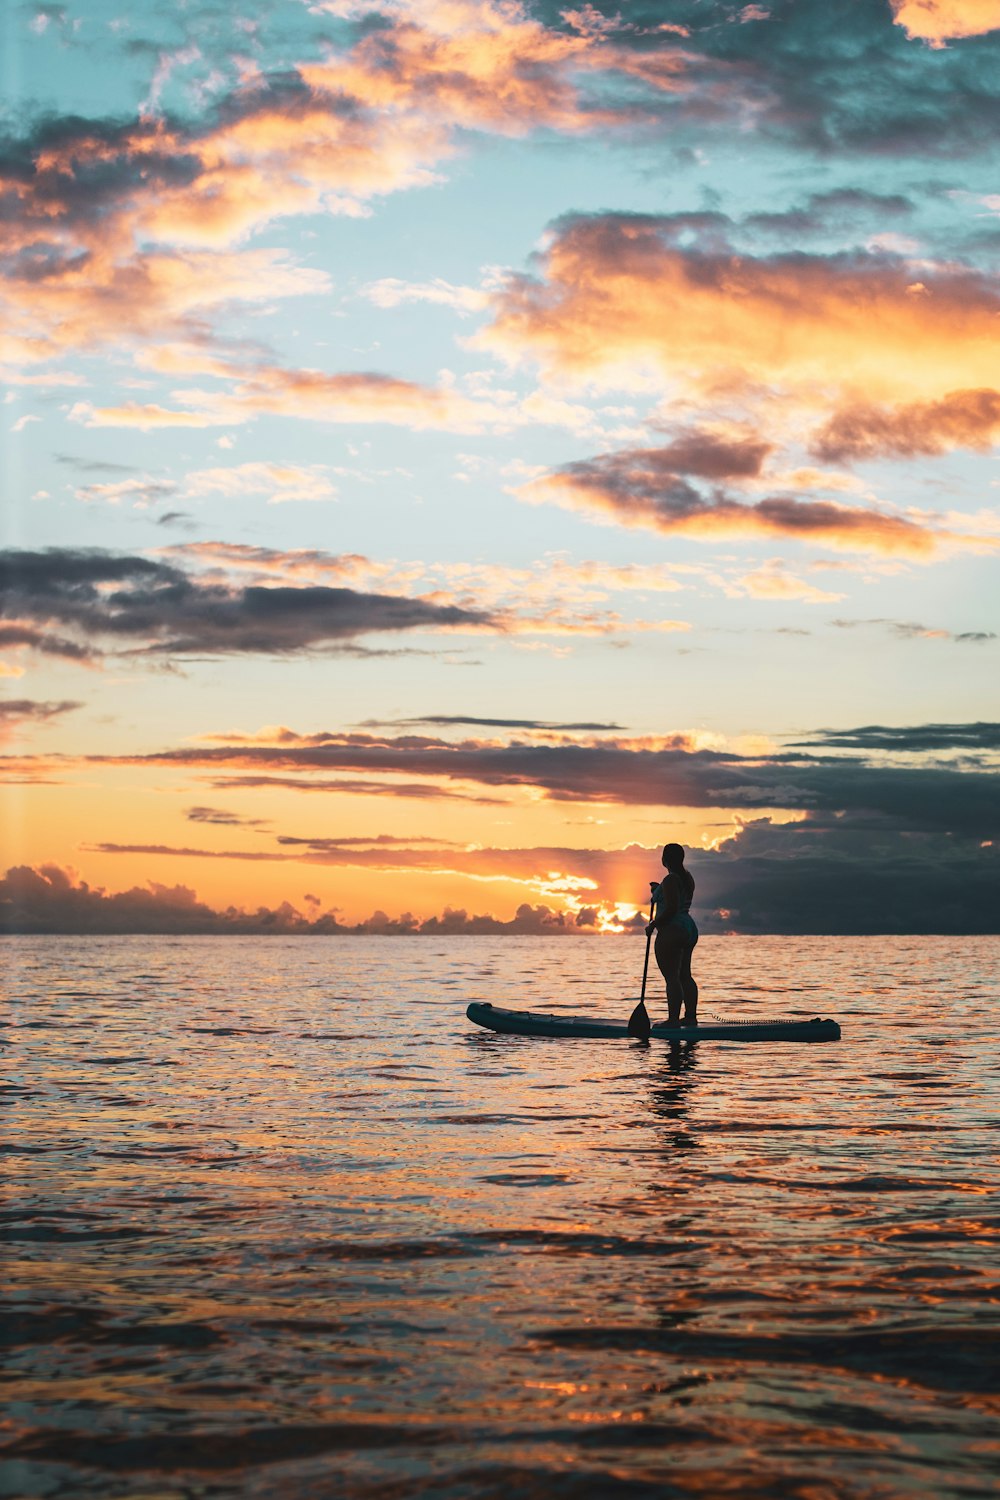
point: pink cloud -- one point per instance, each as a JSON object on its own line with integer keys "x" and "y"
{"x": 311, "y": 395}
{"x": 641, "y": 488}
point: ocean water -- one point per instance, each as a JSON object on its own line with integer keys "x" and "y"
{"x": 280, "y": 1222}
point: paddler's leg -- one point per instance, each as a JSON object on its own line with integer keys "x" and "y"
{"x": 669, "y": 955}
{"x": 689, "y": 987}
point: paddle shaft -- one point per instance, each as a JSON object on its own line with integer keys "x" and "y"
{"x": 649, "y": 939}
{"x": 638, "y": 1021}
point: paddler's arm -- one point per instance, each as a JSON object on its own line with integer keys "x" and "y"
{"x": 665, "y": 899}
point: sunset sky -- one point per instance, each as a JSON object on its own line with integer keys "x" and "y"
{"x": 453, "y": 446}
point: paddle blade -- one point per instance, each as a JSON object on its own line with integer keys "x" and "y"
{"x": 638, "y": 1022}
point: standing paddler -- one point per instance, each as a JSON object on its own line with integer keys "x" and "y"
{"x": 676, "y": 936}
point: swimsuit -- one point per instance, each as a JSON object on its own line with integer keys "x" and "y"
{"x": 682, "y": 917}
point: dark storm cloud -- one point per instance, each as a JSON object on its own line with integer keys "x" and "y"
{"x": 224, "y": 819}
{"x": 912, "y": 630}
{"x": 832, "y": 213}
{"x": 642, "y": 487}
{"x": 928, "y": 798}
{"x": 39, "y": 262}
{"x": 30, "y": 710}
{"x": 221, "y": 817}
{"x": 422, "y": 791}
{"x": 93, "y": 465}
{"x": 708, "y": 456}
{"x": 848, "y": 878}
{"x": 914, "y": 739}
{"x": 78, "y": 170}
{"x": 374, "y": 841}
{"x": 641, "y": 481}
{"x": 824, "y": 76}
{"x": 382, "y": 850}
{"x": 69, "y": 576}
{"x": 445, "y": 720}
{"x": 158, "y": 850}
{"x": 157, "y": 608}
{"x": 49, "y": 645}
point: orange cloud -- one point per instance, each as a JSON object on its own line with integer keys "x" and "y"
{"x": 941, "y": 21}
{"x": 573, "y": 876}
{"x": 961, "y": 419}
{"x": 758, "y": 351}
{"x": 134, "y": 414}
{"x": 473, "y": 65}
{"x": 144, "y": 297}
{"x": 358, "y": 398}
{"x": 264, "y": 562}
{"x": 584, "y": 582}
{"x": 311, "y": 395}
{"x": 279, "y": 482}
{"x": 135, "y": 226}
{"x": 639, "y": 488}
{"x": 773, "y": 581}
{"x": 251, "y": 390}
{"x": 651, "y": 303}
{"x": 273, "y": 150}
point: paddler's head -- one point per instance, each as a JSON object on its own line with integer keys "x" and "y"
{"x": 673, "y": 856}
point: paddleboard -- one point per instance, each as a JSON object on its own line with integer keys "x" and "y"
{"x": 536, "y": 1023}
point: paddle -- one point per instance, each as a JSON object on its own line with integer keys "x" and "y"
{"x": 638, "y": 1021}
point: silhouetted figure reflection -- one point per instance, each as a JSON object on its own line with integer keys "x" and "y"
{"x": 672, "y": 1084}
{"x": 676, "y": 936}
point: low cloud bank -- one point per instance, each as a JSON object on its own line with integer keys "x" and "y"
{"x": 849, "y": 875}
{"x": 50, "y": 900}
{"x": 835, "y": 876}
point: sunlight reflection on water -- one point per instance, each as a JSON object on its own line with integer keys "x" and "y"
{"x": 283, "y": 1223}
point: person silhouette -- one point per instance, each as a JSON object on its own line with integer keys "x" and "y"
{"x": 676, "y": 936}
